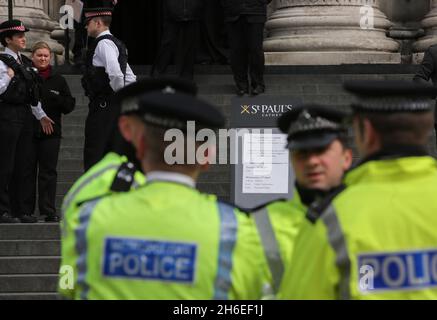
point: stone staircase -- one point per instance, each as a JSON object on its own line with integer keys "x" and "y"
{"x": 29, "y": 261}
{"x": 29, "y": 255}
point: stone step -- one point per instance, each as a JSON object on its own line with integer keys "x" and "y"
{"x": 71, "y": 152}
{"x": 30, "y": 296}
{"x": 23, "y": 248}
{"x": 40, "y": 283}
{"x": 38, "y": 231}
{"x": 70, "y": 141}
{"x": 29, "y": 265}
{"x": 75, "y": 119}
{"x": 77, "y": 130}
{"x": 68, "y": 176}
{"x": 70, "y": 164}
{"x": 63, "y": 187}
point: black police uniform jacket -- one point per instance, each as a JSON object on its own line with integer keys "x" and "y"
{"x": 184, "y": 10}
{"x": 235, "y": 8}
{"x": 428, "y": 70}
{"x": 56, "y": 100}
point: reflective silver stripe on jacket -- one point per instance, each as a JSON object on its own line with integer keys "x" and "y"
{"x": 271, "y": 246}
{"x": 82, "y": 246}
{"x": 338, "y": 243}
{"x": 228, "y": 238}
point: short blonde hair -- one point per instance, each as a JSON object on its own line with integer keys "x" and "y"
{"x": 41, "y": 45}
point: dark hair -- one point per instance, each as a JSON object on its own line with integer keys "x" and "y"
{"x": 7, "y": 34}
{"x": 400, "y": 128}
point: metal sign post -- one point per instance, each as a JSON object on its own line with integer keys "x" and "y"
{"x": 10, "y": 9}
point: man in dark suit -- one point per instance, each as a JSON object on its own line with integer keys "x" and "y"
{"x": 245, "y": 20}
{"x": 181, "y": 29}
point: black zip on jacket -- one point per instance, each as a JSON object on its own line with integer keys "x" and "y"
{"x": 56, "y": 100}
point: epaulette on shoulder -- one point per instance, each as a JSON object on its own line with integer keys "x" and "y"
{"x": 124, "y": 178}
{"x": 8, "y": 60}
{"x": 317, "y": 208}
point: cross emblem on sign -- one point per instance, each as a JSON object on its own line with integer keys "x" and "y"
{"x": 245, "y": 109}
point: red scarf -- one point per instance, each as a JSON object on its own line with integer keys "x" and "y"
{"x": 46, "y": 73}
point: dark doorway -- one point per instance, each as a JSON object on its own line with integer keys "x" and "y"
{"x": 138, "y": 24}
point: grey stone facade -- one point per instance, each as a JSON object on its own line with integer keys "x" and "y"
{"x": 306, "y": 32}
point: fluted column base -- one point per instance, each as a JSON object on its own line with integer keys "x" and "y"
{"x": 429, "y": 23}
{"x": 328, "y": 32}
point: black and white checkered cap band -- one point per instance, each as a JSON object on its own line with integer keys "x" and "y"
{"x": 395, "y": 104}
{"x": 19, "y": 28}
{"x": 164, "y": 122}
{"x": 98, "y": 14}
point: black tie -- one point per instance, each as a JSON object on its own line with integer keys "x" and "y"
{"x": 19, "y": 60}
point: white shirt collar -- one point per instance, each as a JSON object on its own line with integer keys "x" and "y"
{"x": 171, "y": 177}
{"x": 11, "y": 53}
{"x": 104, "y": 33}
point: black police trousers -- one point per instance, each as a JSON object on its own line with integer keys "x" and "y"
{"x": 178, "y": 43}
{"x": 41, "y": 168}
{"x": 16, "y": 133}
{"x": 247, "y": 54}
{"x": 97, "y": 127}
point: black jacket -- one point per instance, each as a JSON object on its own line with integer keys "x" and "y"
{"x": 184, "y": 10}
{"x": 56, "y": 99}
{"x": 235, "y": 8}
{"x": 428, "y": 68}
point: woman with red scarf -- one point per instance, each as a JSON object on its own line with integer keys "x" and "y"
{"x": 56, "y": 100}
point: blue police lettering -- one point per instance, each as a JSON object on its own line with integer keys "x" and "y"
{"x": 149, "y": 259}
{"x": 401, "y": 270}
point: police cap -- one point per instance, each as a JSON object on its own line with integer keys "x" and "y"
{"x": 11, "y": 27}
{"x": 128, "y": 96}
{"x": 312, "y": 126}
{"x": 391, "y": 96}
{"x": 90, "y": 13}
{"x": 125, "y": 101}
{"x": 174, "y": 110}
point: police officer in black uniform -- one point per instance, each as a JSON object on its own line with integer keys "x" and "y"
{"x": 107, "y": 71}
{"x": 19, "y": 98}
{"x": 246, "y": 20}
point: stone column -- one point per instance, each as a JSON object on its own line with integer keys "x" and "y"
{"x": 328, "y": 32}
{"x": 429, "y": 23}
{"x": 406, "y": 16}
{"x": 31, "y": 12}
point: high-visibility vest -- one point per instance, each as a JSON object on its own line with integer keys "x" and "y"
{"x": 112, "y": 174}
{"x": 278, "y": 223}
{"x": 376, "y": 240}
{"x": 167, "y": 241}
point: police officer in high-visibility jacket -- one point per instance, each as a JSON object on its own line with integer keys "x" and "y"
{"x": 118, "y": 171}
{"x": 317, "y": 140}
{"x": 377, "y": 239}
{"x": 167, "y": 240}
